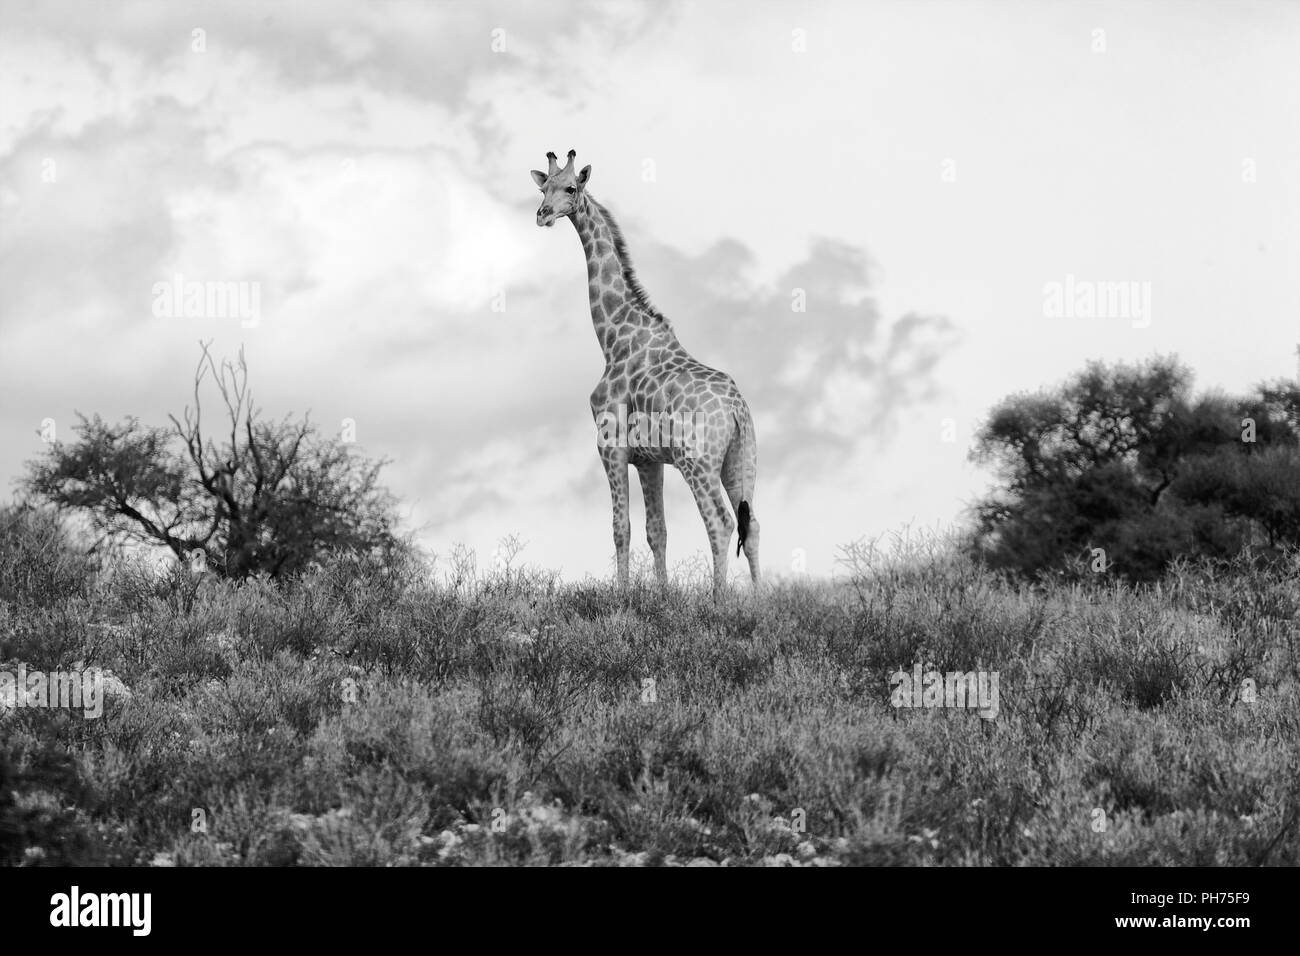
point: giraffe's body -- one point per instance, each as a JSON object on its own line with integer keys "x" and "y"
{"x": 649, "y": 380}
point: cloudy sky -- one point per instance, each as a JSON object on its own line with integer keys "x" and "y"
{"x": 921, "y": 171}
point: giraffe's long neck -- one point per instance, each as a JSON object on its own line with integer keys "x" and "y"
{"x": 619, "y": 306}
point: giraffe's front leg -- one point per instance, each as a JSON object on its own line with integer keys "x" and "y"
{"x": 656, "y": 529}
{"x": 615, "y": 462}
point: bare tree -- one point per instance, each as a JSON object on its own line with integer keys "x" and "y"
{"x": 257, "y": 497}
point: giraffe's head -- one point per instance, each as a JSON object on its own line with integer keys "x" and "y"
{"x": 561, "y": 189}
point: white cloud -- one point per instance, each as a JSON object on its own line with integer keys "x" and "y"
{"x": 367, "y": 163}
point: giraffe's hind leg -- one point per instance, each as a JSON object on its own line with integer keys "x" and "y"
{"x": 707, "y": 488}
{"x": 652, "y": 490}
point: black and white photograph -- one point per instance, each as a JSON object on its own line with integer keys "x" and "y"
{"x": 701, "y": 434}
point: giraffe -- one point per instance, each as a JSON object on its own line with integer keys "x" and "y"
{"x": 651, "y": 381}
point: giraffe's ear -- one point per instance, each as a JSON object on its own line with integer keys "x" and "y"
{"x": 539, "y": 178}
{"x": 584, "y": 175}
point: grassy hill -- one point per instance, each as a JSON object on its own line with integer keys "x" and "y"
{"x": 404, "y": 717}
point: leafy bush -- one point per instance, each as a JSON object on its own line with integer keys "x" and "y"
{"x": 1124, "y": 462}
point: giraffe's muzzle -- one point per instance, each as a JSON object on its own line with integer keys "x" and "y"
{"x": 546, "y": 216}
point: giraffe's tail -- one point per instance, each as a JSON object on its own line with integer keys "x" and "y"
{"x": 742, "y": 526}
{"x": 746, "y": 460}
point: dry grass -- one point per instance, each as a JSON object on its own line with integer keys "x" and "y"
{"x": 370, "y": 716}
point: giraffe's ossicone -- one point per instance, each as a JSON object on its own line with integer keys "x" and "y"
{"x": 655, "y": 405}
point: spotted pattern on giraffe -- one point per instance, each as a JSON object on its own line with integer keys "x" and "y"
{"x": 649, "y": 373}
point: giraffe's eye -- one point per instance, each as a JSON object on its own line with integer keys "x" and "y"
{"x": 570, "y": 190}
